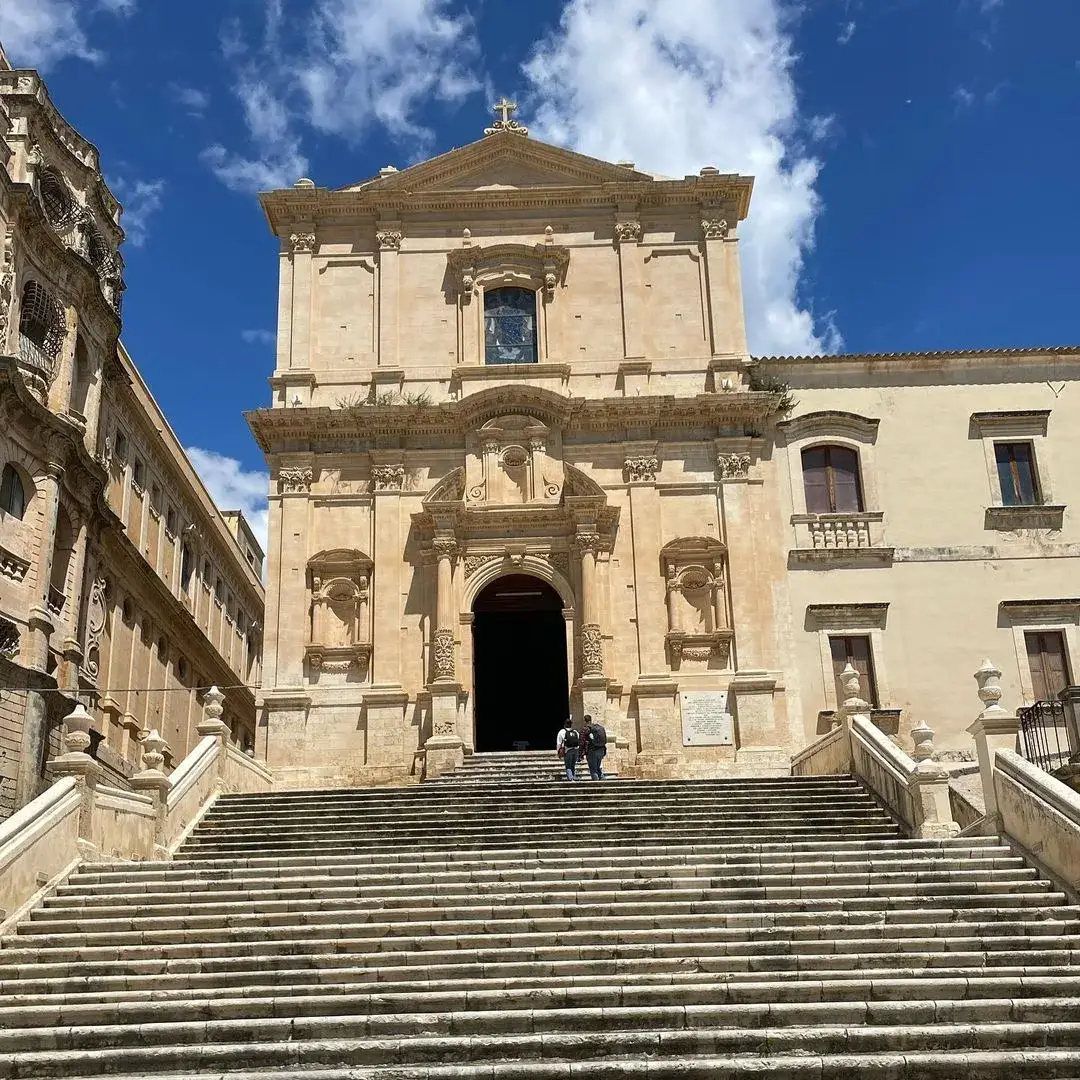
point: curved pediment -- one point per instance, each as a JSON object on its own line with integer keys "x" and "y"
{"x": 828, "y": 422}
{"x": 451, "y": 488}
{"x": 534, "y": 402}
{"x": 578, "y": 485}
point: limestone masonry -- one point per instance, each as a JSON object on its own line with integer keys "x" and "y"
{"x": 524, "y": 466}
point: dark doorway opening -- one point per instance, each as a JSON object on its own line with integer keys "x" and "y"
{"x": 519, "y": 665}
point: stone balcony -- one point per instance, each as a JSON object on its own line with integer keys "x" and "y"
{"x": 854, "y": 539}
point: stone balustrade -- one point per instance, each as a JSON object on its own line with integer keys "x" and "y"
{"x": 839, "y": 531}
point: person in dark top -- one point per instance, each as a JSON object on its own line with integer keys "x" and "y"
{"x": 568, "y": 747}
{"x": 595, "y": 748}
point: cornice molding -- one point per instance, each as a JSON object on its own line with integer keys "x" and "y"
{"x": 828, "y": 422}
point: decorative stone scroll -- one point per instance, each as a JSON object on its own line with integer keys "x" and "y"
{"x": 95, "y": 626}
{"x": 733, "y": 466}
{"x": 389, "y": 239}
{"x": 442, "y": 653}
{"x": 592, "y": 650}
{"x": 295, "y": 479}
{"x": 641, "y": 470}
{"x": 627, "y": 232}
{"x": 303, "y": 243}
{"x": 387, "y": 477}
{"x": 714, "y": 228}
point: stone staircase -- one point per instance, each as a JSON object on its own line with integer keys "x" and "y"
{"x": 512, "y": 767}
{"x": 551, "y": 931}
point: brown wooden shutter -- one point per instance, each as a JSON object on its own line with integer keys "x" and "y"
{"x": 815, "y": 480}
{"x": 856, "y": 652}
{"x": 1047, "y": 663}
{"x": 844, "y": 465}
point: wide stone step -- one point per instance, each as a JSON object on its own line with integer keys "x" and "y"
{"x": 941, "y": 1065}
{"x": 339, "y": 897}
{"x": 269, "y": 1046}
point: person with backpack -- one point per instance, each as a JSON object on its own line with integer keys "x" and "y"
{"x": 568, "y": 747}
{"x": 595, "y": 748}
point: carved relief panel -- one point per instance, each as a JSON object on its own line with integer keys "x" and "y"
{"x": 699, "y": 628}
{"x": 339, "y": 640}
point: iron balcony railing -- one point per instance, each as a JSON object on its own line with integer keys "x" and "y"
{"x": 1049, "y": 733}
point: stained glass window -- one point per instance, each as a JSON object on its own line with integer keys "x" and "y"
{"x": 509, "y": 326}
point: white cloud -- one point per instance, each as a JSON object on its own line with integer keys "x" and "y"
{"x": 963, "y": 97}
{"x": 141, "y": 199}
{"x": 41, "y": 33}
{"x": 233, "y": 487}
{"x": 365, "y": 63}
{"x": 257, "y": 337}
{"x": 194, "y": 100}
{"x": 847, "y": 32}
{"x": 677, "y": 84}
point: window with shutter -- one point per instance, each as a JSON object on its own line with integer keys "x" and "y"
{"x": 831, "y": 480}
{"x": 1047, "y": 663}
{"x": 1016, "y": 474}
{"x": 854, "y": 650}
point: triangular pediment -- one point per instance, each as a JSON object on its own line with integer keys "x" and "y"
{"x": 505, "y": 161}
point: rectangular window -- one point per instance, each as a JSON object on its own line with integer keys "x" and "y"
{"x": 831, "y": 480}
{"x": 1016, "y": 474}
{"x": 1047, "y": 662}
{"x": 854, "y": 650}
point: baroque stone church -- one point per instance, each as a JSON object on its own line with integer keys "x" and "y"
{"x": 524, "y": 467}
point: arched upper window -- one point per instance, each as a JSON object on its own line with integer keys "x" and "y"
{"x": 831, "y": 480}
{"x": 97, "y": 250}
{"x": 187, "y": 566}
{"x": 81, "y": 377}
{"x": 41, "y": 327}
{"x": 509, "y": 326}
{"x": 12, "y": 493}
{"x": 55, "y": 198}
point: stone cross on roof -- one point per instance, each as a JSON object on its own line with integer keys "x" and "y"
{"x": 503, "y": 108}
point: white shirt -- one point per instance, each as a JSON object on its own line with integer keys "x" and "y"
{"x": 560, "y": 739}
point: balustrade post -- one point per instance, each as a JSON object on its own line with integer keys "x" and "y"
{"x": 993, "y": 729}
{"x": 152, "y": 781}
{"x": 76, "y": 762}
{"x": 929, "y": 788}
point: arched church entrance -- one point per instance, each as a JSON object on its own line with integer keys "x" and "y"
{"x": 521, "y": 696}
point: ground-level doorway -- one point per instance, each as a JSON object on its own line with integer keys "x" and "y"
{"x": 521, "y": 696}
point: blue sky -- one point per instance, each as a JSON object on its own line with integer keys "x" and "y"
{"x": 916, "y": 160}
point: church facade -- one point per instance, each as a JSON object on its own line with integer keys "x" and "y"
{"x": 524, "y": 467}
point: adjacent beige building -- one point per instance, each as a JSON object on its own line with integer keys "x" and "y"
{"x": 523, "y": 466}
{"x": 121, "y": 585}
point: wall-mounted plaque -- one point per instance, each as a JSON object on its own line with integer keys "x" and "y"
{"x": 705, "y": 718}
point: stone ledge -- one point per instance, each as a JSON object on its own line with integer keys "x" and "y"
{"x": 1011, "y": 518}
{"x": 839, "y": 558}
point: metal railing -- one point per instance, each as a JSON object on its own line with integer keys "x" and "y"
{"x": 1048, "y": 731}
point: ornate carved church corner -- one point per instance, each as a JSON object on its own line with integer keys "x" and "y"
{"x": 733, "y": 466}
{"x": 295, "y": 479}
{"x": 387, "y": 477}
{"x": 7, "y": 287}
{"x": 641, "y": 469}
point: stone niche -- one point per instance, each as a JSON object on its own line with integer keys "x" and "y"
{"x": 514, "y": 461}
{"x": 699, "y": 630}
{"x": 339, "y": 638}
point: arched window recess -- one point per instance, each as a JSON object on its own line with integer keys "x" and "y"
{"x": 41, "y": 329}
{"x": 56, "y": 200}
{"x": 13, "y": 493}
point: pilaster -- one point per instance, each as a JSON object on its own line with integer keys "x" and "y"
{"x": 719, "y": 244}
{"x": 387, "y": 478}
{"x": 641, "y": 466}
{"x": 627, "y": 243}
{"x": 294, "y": 489}
{"x": 388, "y": 236}
{"x": 302, "y": 242}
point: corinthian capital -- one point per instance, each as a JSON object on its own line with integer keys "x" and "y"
{"x": 445, "y": 547}
{"x": 303, "y": 243}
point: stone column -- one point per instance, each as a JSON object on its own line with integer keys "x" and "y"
{"x": 627, "y": 243}
{"x": 303, "y": 245}
{"x": 593, "y": 680}
{"x": 68, "y": 674}
{"x": 40, "y": 628}
{"x": 994, "y": 729}
{"x": 444, "y": 749}
{"x": 537, "y": 450}
{"x": 442, "y": 665}
{"x": 294, "y": 484}
{"x": 388, "y": 236}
